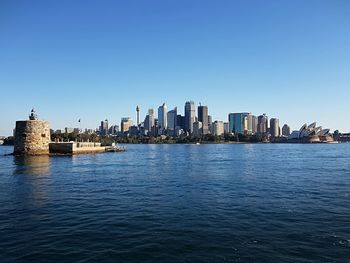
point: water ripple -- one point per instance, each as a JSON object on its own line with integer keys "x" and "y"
{"x": 178, "y": 203}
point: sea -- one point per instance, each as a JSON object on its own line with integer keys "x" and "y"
{"x": 178, "y": 203}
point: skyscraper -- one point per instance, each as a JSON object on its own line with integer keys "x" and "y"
{"x": 231, "y": 121}
{"x": 240, "y": 123}
{"x": 285, "y": 130}
{"x": 125, "y": 124}
{"x": 254, "y": 124}
{"x": 104, "y": 127}
{"x": 203, "y": 118}
{"x": 197, "y": 129}
{"x": 226, "y": 127}
{"x": 210, "y": 124}
{"x": 172, "y": 121}
{"x": 149, "y": 120}
{"x": 155, "y": 129}
{"x": 180, "y": 122}
{"x": 162, "y": 118}
{"x": 262, "y": 124}
{"x": 190, "y": 116}
{"x": 274, "y": 127}
{"x": 146, "y": 125}
{"x": 249, "y": 118}
{"x": 218, "y": 128}
{"x": 210, "y": 119}
{"x": 113, "y": 130}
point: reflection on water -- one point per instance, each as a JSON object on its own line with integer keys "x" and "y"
{"x": 33, "y": 177}
{"x": 248, "y": 162}
{"x": 32, "y": 165}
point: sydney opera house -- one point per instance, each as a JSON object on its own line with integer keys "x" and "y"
{"x": 311, "y": 134}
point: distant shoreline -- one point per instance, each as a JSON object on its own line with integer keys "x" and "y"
{"x": 210, "y": 143}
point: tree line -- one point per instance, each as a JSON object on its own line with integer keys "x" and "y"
{"x": 108, "y": 140}
{"x": 142, "y": 139}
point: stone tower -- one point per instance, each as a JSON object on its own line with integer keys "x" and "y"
{"x": 32, "y": 137}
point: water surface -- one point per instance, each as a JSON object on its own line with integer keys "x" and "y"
{"x": 178, "y": 203}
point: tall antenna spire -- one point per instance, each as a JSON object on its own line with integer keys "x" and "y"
{"x": 138, "y": 114}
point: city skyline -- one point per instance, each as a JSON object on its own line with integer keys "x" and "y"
{"x": 166, "y": 122}
{"x": 192, "y": 126}
{"x": 91, "y": 61}
{"x": 79, "y": 123}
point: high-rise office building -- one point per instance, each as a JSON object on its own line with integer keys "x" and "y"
{"x": 134, "y": 130}
{"x": 162, "y": 117}
{"x": 113, "y": 130}
{"x": 104, "y": 127}
{"x": 227, "y": 127}
{"x": 249, "y": 119}
{"x": 254, "y": 124}
{"x": 152, "y": 117}
{"x": 180, "y": 122}
{"x": 155, "y": 128}
{"x": 203, "y": 118}
{"x": 172, "y": 121}
{"x": 210, "y": 124}
{"x": 274, "y": 127}
{"x": 285, "y": 130}
{"x": 240, "y": 123}
{"x": 125, "y": 124}
{"x": 190, "y": 116}
{"x": 218, "y": 128}
{"x": 197, "y": 129}
{"x": 146, "y": 123}
{"x": 210, "y": 119}
{"x": 262, "y": 124}
{"x": 231, "y": 121}
{"x": 149, "y": 120}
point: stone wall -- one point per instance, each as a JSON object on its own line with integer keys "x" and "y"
{"x": 32, "y": 137}
{"x": 75, "y": 147}
{"x": 61, "y": 147}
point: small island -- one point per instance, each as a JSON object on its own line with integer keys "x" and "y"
{"x": 32, "y": 137}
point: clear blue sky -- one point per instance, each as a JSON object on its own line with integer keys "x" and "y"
{"x": 99, "y": 59}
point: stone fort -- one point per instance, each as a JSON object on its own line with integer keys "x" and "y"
{"x": 32, "y": 137}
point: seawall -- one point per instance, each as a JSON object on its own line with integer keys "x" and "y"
{"x": 75, "y": 147}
